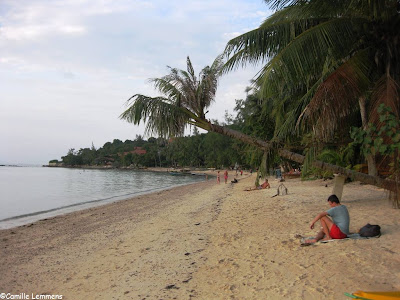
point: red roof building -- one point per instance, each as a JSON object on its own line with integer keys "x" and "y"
{"x": 137, "y": 150}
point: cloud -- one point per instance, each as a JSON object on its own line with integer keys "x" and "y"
{"x": 69, "y": 75}
{"x": 67, "y": 67}
{"x": 31, "y": 32}
{"x": 25, "y": 21}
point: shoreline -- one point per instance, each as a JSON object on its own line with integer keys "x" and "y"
{"x": 24, "y": 220}
{"x": 30, "y": 217}
{"x": 205, "y": 241}
{"x": 108, "y": 167}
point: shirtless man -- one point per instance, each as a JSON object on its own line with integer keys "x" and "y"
{"x": 335, "y": 228}
{"x": 265, "y": 185}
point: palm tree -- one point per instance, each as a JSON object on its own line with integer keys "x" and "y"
{"x": 184, "y": 101}
{"x": 325, "y": 60}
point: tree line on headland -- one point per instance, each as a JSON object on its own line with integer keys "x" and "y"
{"x": 198, "y": 150}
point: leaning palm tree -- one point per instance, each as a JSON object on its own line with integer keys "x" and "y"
{"x": 185, "y": 97}
{"x": 184, "y": 100}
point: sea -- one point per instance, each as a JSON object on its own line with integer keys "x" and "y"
{"x": 28, "y": 194}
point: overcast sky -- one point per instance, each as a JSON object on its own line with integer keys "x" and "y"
{"x": 68, "y": 67}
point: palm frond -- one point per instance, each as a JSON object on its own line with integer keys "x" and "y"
{"x": 303, "y": 56}
{"x": 386, "y": 91}
{"x": 207, "y": 87}
{"x": 278, "y": 30}
{"x": 164, "y": 86}
{"x": 266, "y": 41}
{"x": 190, "y": 70}
{"x": 337, "y": 95}
{"x": 290, "y": 125}
{"x": 161, "y": 117}
{"x": 375, "y": 9}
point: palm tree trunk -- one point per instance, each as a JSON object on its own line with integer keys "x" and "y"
{"x": 365, "y": 178}
{"x": 364, "y": 119}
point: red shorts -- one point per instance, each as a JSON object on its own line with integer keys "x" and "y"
{"x": 336, "y": 233}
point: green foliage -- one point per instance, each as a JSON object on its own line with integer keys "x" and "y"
{"x": 342, "y": 156}
{"x": 383, "y": 140}
{"x": 256, "y": 119}
{"x": 200, "y": 150}
{"x": 320, "y": 58}
{"x": 308, "y": 170}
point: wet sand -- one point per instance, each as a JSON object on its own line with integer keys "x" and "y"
{"x": 205, "y": 241}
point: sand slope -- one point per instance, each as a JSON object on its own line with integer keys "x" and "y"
{"x": 205, "y": 241}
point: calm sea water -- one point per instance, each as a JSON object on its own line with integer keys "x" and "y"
{"x": 29, "y": 194}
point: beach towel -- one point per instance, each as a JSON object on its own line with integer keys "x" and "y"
{"x": 352, "y": 236}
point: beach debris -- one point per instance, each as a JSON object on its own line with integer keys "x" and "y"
{"x": 282, "y": 190}
{"x": 187, "y": 280}
{"x": 306, "y": 244}
{"x": 172, "y": 286}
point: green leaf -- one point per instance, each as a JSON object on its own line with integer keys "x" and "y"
{"x": 367, "y": 140}
{"x": 378, "y": 142}
{"x": 382, "y": 130}
{"x": 382, "y": 149}
{"x": 392, "y": 123}
{"x": 381, "y": 108}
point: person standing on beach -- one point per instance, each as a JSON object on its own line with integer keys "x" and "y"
{"x": 218, "y": 178}
{"x": 335, "y": 228}
{"x": 226, "y": 176}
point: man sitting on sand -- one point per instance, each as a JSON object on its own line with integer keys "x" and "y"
{"x": 338, "y": 227}
{"x": 265, "y": 185}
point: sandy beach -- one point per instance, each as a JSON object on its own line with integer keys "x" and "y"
{"x": 206, "y": 241}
